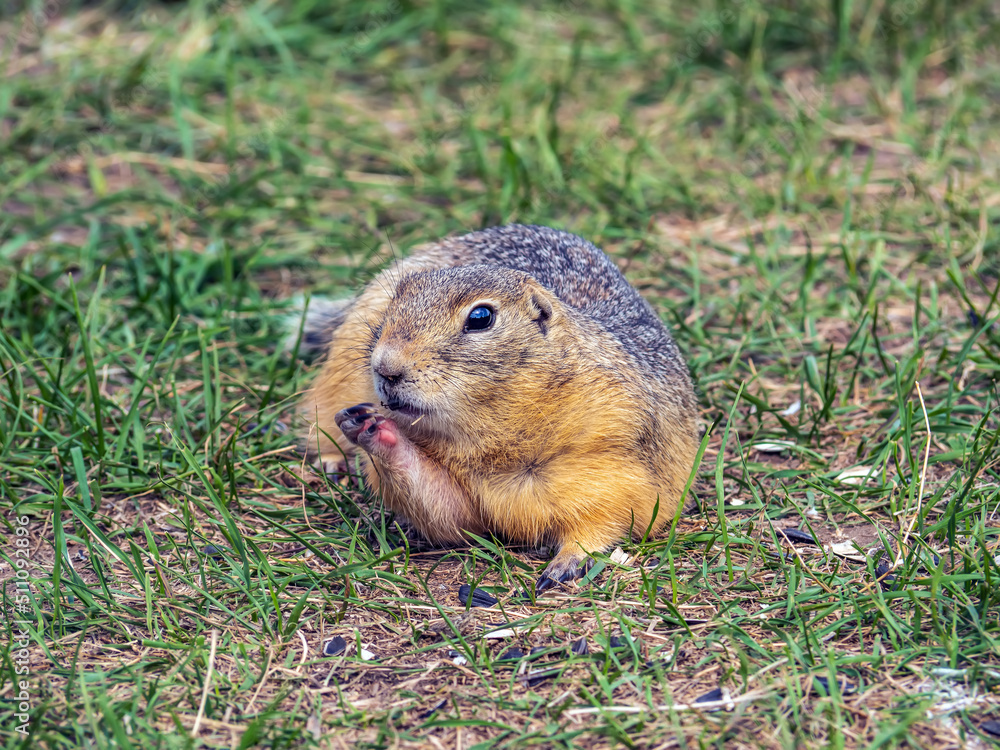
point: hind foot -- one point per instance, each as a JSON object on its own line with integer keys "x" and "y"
{"x": 565, "y": 567}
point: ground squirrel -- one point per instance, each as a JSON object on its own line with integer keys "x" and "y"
{"x": 509, "y": 381}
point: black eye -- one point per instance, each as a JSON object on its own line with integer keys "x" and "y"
{"x": 479, "y": 319}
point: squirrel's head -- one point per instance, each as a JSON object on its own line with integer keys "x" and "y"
{"x": 456, "y": 344}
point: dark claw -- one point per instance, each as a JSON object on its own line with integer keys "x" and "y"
{"x": 550, "y": 579}
{"x": 356, "y": 413}
{"x": 562, "y": 574}
{"x": 545, "y": 583}
{"x": 359, "y": 409}
{"x": 570, "y": 575}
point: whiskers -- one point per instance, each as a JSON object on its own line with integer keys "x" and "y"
{"x": 385, "y": 273}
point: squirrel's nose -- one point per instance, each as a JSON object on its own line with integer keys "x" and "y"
{"x": 388, "y": 367}
{"x": 388, "y": 372}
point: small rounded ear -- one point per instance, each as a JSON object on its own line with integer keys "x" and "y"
{"x": 541, "y": 306}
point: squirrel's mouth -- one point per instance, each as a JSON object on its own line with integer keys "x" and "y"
{"x": 402, "y": 407}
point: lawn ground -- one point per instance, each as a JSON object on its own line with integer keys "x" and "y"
{"x": 808, "y": 193}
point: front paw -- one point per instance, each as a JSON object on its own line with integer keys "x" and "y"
{"x": 365, "y": 427}
{"x": 353, "y": 421}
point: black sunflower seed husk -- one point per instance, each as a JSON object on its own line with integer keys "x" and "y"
{"x": 479, "y": 597}
{"x": 541, "y": 676}
{"x": 991, "y": 727}
{"x": 795, "y": 536}
{"x": 821, "y": 685}
{"x": 886, "y": 579}
{"x": 334, "y": 646}
{"x": 711, "y": 695}
{"x": 431, "y": 711}
{"x": 512, "y": 654}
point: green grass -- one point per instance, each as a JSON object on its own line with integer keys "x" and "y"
{"x": 809, "y": 195}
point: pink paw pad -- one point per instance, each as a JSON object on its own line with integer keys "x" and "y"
{"x": 378, "y": 432}
{"x": 364, "y": 426}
